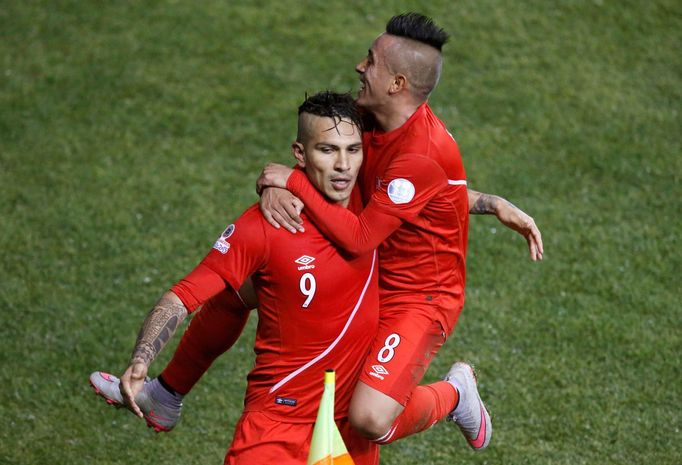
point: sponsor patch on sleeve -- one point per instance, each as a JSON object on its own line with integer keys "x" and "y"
{"x": 221, "y": 244}
{"x": 400, "y": 191}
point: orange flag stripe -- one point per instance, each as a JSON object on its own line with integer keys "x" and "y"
{"x": 344, "y": 459}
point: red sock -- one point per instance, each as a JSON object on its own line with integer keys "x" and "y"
{"x": 428, "y": 404}
{"x": 212, "y": 331}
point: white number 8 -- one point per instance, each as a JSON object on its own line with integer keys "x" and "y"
{"x": 308, "y": 287}
{"x": 388, "y": 350}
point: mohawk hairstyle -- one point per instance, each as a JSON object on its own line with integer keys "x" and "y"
{"x": 417, "y": 27}
{"x": 332, "y": 105}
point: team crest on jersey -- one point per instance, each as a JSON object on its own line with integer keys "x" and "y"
{"x": 400, "y": 191}
{"x": 221, "y": 244}
{"x": 305, "y": 262}
{"x": 228, "y": 232}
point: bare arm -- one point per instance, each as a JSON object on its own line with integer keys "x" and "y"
{"x": 158, "y": 327}
{"x": 482, "y": 204}
{"x": 509, "y": 215}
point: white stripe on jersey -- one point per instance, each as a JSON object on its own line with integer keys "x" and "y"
{"x": 293, "y": 374}
{"x": 458, "y": 182}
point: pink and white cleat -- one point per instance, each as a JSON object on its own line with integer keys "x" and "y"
{"x": 470, "y": 414}
{"x": 160, "y": 415}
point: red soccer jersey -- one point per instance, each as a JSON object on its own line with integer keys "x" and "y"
{"x": 318, "y": 309}
{"x": 414, "y": 186}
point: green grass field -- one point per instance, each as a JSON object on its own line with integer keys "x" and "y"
{"x": 132, "y": 132}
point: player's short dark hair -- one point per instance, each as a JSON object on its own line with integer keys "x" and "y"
{"x": 417, "y": 27}
{"x": 332, "y": 105}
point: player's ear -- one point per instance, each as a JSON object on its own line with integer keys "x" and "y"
{"x": 398, "y": 84}
{"x": 299, "y": 153}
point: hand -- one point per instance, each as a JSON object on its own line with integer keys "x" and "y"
{"x": 132, "y": 382}
{"x": 273, "y": 175}
{"x": 281, "y": 207}
{"x": 514, "y": 218}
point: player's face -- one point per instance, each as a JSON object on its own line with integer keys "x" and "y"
{"x": 331, "y": 156}
{"x": 375, "y": 75}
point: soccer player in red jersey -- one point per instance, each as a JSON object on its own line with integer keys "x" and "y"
{"x": 318, "y": 308}
{"x": 388, "y": 410}
{"x": 416, "y": 211}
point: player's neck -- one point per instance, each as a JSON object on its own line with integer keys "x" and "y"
{"x": 393, "y": 116}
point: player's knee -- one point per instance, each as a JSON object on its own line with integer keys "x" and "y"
{"x": 371, "y": 423}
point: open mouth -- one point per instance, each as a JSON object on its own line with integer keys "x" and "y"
{"x": 340, "y": 184}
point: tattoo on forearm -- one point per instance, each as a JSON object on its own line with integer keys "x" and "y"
{"x": 157, "y": 329}
{"x": 484, "y": 205}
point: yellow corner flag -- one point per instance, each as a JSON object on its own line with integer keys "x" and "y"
{"x": 327, "y": 447}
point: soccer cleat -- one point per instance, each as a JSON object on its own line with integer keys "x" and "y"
{"x": 162, "y": 416}
{"x": 470, "y": 414}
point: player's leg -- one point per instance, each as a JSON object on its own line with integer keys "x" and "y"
{"x": 407, "y": 340}
{"x": 388, "y": 405}
{"x": 211, "y": 333}
{"x": 362, "y": 450}
{"x": 372, "y": 412}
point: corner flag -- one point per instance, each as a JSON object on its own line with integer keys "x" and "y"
{"x": 327, "y": 447}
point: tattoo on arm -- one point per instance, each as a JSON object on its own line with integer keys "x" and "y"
{"x": 484, "y": 205}
{"x": 157, "y": 329}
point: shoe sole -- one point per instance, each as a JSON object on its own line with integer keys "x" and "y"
{"x": 155, "y": 426}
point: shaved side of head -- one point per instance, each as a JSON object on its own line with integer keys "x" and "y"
{"x": 420, "y": 63}
{"x": 416, "y": 51}
{"x": 305, "y": 125}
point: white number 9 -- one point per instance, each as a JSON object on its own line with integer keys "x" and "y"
{"x": 308, "y": 287}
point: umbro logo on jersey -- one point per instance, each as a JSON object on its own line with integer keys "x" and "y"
{"x": 378, "y": 371}
{"x": 305, "y": 261}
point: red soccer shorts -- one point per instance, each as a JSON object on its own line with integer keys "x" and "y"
{"x": 408, "y": 337}
{"x": 260, "y": 439}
